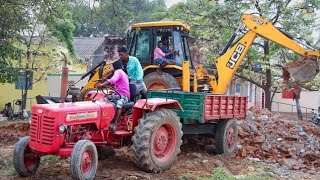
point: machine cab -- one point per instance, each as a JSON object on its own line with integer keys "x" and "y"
{"x": 142, "y": 39}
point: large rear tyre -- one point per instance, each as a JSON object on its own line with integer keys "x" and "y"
{"x": 156, "y": 81}
{"x": 25, "y": 162}
{"x": 84, "y": 160}
{"x": 157, "y": 140}
{"x": 226, "y": 137}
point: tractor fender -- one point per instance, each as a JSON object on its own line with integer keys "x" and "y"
{"x": 154, "y": 103}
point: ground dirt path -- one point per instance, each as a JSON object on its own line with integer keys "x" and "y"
{"x": 193, "y": 162}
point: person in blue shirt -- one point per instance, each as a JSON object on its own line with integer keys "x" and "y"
{"x": 134, "y": 70}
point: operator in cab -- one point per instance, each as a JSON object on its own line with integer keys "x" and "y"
{"x": 134, "y": 70}
{"x": 165, "y": 48}
{"x": 121, "y": 82}
{"x": 160, "y": 57}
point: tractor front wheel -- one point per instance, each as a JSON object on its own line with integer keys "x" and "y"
{"x": 84, "y": 160}
{"x": 25, "y": 162}
{"x": 157, "y": 140}
{"x": 226, "y": 137}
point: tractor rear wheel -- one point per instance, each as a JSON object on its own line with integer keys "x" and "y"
{"x": 157, "y": 140}
{"x": 84, "y": 160}
{"x": 26, "y": 162}
{"x": 226, "y": 137}
{"x": 156, "y": 81}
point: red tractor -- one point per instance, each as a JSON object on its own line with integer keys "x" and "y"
{"x": 152, "y": 126}
{"x": 80, "y": 130}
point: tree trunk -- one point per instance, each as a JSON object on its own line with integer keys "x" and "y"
{"x": 267, "y": 90}
{"x": 299, "y": 109}
{"x": 296, "y": 96}
{"x": 26, "y": 86}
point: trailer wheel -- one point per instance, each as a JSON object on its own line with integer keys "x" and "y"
{"x": 84, "y": 94}
{"x": 164, "y": 81}
{"x": 84, "y": 160}
{"x": 157, "y": 140}
{"x": 25, "y": 162}
{"x": 226, "y": 137}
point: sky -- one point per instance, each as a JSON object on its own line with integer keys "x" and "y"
{"x": 171, "y": 2}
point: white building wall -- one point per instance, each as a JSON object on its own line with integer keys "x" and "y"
{"x": 307, "y": 99}
{"x": 54, "y": 83}
{"x": 253, "y": 92}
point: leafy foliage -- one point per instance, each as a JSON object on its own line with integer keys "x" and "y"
{"x": 213, "y": 22}
{"x": 63, "y": 30}
{"x": 22, "y": 23}
{"x": 113, "y": 17}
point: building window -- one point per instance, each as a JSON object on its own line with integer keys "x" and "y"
{"x": 238, "y": 88}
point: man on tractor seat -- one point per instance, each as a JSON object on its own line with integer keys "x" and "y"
{"x": 134, "y": 70}
{"x": 121, "y": 82}
{"x": 160, "y": 57}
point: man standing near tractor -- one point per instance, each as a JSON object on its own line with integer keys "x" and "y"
{"x": 134, "y": 70}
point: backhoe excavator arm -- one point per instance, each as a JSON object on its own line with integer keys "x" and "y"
{"x": 99, "y": 71}
{"x": 228, "y": 63}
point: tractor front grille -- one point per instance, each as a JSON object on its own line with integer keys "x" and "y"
{"x": 42, "y": 129}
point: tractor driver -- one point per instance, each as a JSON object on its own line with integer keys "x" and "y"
{"x": 121, "y": 82}
{"x": 134, "y": 70}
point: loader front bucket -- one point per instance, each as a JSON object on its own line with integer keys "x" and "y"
{"x": 303, "y": 70}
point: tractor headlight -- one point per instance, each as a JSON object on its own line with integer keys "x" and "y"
{"x": 62, "y": 128}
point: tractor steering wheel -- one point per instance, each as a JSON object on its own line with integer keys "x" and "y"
{"x": 108, "y": 87}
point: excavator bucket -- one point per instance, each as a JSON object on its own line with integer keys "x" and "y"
{"x": 303, "y": 70}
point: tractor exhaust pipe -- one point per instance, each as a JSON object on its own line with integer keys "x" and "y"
{"x": 64, "y": 79}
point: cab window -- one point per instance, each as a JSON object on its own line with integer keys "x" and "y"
{"x": 142, "y": 51}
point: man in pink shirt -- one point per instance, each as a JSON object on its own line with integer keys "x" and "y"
{"x": 159, "y": 56}
{"x": 121, "y": 82}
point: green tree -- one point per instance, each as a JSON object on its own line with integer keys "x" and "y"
{"x": 25, "y": 37}
{"x": 113, "y": 17}
{"x": 214, "y": 21}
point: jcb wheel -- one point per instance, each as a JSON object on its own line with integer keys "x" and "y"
{"x": 226, "y": 137}
{"x": 84, "y": 160}
{"x": 25, "y": 162}
{"x": 156, "y": 81}
{"x": 84, "y": 94}
{"x": 157, "y": 140}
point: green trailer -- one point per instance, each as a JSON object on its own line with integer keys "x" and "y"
{"x": 204, "y": 113}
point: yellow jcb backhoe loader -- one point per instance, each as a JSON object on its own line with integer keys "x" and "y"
{"x": 142, "y": 39}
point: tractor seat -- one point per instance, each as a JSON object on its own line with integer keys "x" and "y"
{"x": 134, "y": 93}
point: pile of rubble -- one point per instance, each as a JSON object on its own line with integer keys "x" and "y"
{"x": 274, "y": 138}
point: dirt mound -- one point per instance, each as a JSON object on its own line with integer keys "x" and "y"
{"x": 10, "y": 132}
{"x": 277, "y": 139}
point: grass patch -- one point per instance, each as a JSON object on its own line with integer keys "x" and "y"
{"x": 50, "y": 159}
{"x": 261, "y": 173}
{"x": 187, "y": 176}
{"x": 6, "y": 167}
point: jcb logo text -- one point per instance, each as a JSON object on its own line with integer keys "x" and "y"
{"x": 235, "y": 56}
